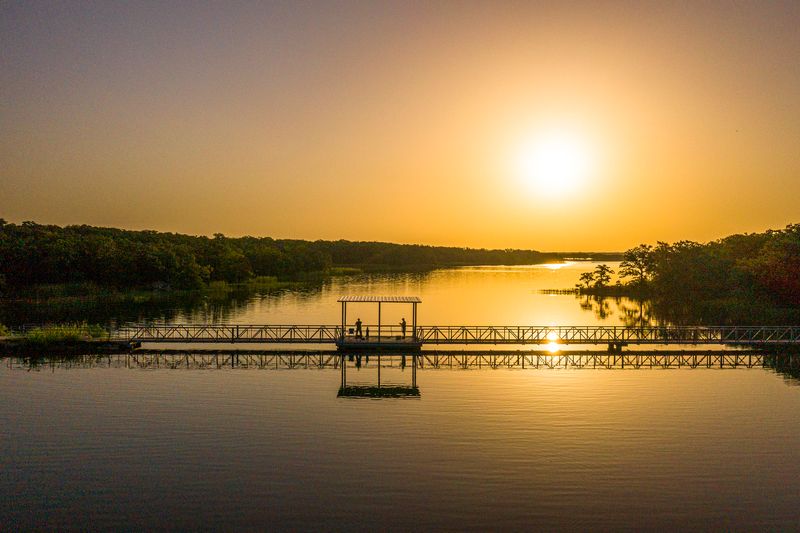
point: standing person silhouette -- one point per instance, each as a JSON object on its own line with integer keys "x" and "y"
{"x": 358, "y": 328}
{"x": 403, "y": 326}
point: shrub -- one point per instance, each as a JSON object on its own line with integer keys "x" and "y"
{"x": 64, "y": 333}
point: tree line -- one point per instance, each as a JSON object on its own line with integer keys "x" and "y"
{"x": 32, "y": 253}
{"x": 740, "y": 274}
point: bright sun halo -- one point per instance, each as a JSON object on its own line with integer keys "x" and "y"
{"x": 555, "y": 164}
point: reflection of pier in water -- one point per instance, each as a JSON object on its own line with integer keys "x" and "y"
{"x": 432, "y": 360}
{"x": 786, "y": 364}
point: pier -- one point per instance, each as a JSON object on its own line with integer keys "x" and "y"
{"x": 614, "y": 337}
{"x": 410, "y": 338}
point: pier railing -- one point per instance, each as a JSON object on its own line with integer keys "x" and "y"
{"x": 609, "y": 335}
{"x": 467, "y": 335}
{"x": 231, "y": 333}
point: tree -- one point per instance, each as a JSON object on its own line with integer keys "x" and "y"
{"x": 602, "y": 276}
{"x": 691, "y": 270}
{"x": 777, "y": 268}
{"x": 587, "y": 278}
{"x": 638, "y": 264}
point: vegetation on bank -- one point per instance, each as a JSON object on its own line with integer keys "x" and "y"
{"x": 740, "y": 278}
{"x": 33, "y": 254}
{"x": 57, "y": 333}
{"x": 64, "y": 333}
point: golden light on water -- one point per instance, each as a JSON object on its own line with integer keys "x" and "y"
{"x": 552, "y": 346}
{"x": 557, "y": 266}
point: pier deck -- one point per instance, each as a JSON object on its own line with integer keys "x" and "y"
{"x": 613, "y": 336}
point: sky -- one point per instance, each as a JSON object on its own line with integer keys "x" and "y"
{"x": 544, "y": 125}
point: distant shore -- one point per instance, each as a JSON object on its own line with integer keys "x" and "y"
{"x": 33, "y": 254}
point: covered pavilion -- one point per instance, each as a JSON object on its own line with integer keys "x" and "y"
{"x": 392, "y": 337}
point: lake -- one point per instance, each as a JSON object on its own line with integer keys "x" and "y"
{"x": 110, "y": 443}
{"x": 490, "y": 295}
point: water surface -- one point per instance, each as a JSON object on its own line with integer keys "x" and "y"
{"x": 110, "y": 446}
{"x": 479, "y": 449}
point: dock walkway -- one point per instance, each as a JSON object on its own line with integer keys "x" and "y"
{"x": 392, "y": 339}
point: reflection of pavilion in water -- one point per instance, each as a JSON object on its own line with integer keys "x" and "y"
{"x": 378, "y": 390}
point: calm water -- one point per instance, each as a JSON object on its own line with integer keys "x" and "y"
{"x": 491, "y": 295}
{"x": 499, "y": 449}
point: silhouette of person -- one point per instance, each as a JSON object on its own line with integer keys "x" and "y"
{"x": 403, "y": 327}
{"x": 367, "y": 332}
{"x": 358, "y": 328}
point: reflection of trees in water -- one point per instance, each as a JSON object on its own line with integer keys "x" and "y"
{"x": 787, "y": 365}
{"x": 599, "y": 305}
{"x": 681, "y": 310}
{"x": 739, "y": 311}
{"x": 212, "y": 305}
{"x": 638, "y": 312}
{"x": 395, "y": 281}
{"x": 217, "y": 303}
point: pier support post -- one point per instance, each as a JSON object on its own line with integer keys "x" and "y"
{"x": 344, "y": 318}
{"x": 414, "y": 322}
{"x": 615, "y": 347}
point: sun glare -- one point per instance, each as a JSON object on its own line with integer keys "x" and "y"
{"x": 557, "y": 266}
{"x": 553, "y": 347}
{"x": 555, "y": 164}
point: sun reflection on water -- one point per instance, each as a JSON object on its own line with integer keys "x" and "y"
{"x": 556, "y": 266}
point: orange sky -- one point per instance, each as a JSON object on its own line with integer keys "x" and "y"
{"x": 404, "y": 122}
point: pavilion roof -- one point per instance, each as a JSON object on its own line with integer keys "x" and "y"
{"x": 382, "y": 299}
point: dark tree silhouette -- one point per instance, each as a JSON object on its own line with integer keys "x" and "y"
{"x": 638, "y": 264}
{"x": 740, "y": 279}
{"x": 602, "y": 276}
{"x": 31, "y": 253}
{"x": 587, "y": 279}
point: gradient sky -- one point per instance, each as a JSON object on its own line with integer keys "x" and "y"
{"x": 402, "y": 121}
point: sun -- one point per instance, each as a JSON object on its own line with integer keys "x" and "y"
{"x": 554, "y": 164}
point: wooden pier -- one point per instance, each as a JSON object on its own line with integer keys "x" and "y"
{"x": 391, "y": 338}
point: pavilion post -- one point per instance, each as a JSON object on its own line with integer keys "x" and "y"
{"x": 414, "y": 322}
{"x": 343, "y": 340}
{"x": 344, "y": 318}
